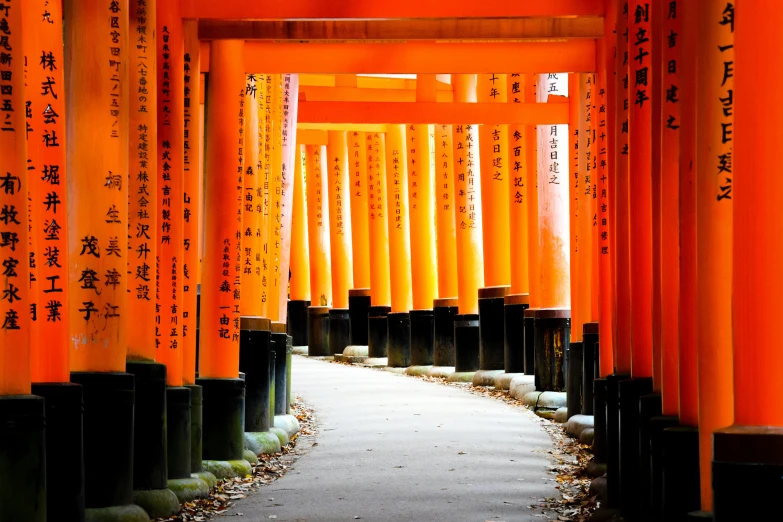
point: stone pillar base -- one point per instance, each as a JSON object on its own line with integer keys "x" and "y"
{"x": 399, "y": 340}
{"x": 318, "y": 331}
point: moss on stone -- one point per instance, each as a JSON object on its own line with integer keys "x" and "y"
{"x": 223, "y": 469}
{"x": 267, "y": 442}
{"x": 287, "y": 423}
{"x": 461, "y": 377}
{"x": 189, "y": 489}
{"x": 207, "y": 477}
{"x": 128, "y": 513}
{"x": 251, "y": 457}
{"x": 417, "y": 370}
{"x": 282, "y": 435}
{"x": 158, "y": 503}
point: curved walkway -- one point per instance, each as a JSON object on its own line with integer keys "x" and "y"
{"x": 395, "y": 448}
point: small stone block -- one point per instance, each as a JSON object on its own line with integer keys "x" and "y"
{"x": 521, "y": 385}
{"x": 578, "y": 423}
{"x": 251, "y": 457}
{"x": 127, "y": 513}
{"x": 466, "y": 377}
{"x": 158, "y": 503}
{"x": 281, "y": 434}
{"x": 503, "y": 381}
{"x": 376, "y": 362}
{"x": 223, "y": 469}
{"x": 595, "y": 469}
{"x": 300, "y": 350}
{"x": 561, "y": 415}
{"x": 531, "y": 399}
{"x": 442, "y": 372}
{"x": 598, "y": 488}
{"x": 486, "y": 377}
{"x": 587, "y": 436}
{"x": 266, "y": 442}
{"x": 287, "y": 423}
{"x": 188, "y": 489}
{"x": 393, "y": 369}
{"x": 355, "y": 351}
{"x": 417, "y": 370}
{"x": 207, "y": 477}
{"x": 546, "y": 414}
{"x": 552, "y": 400}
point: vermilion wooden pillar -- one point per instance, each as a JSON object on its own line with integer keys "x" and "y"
{"x": 444, "y": 209}
{"x": 360, "y": 235}
{"x": 300, "y": 253}
{"x": 574, "y": 203}
{"x": 715, "y": 160}
{"x": 378, "y": 208}
{"x": 275, "y": 179}
{"x": 744, "y": 458}
{"x": 252, "y": 208}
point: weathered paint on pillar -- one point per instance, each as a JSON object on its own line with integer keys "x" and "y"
{"x": 421, "y": 202}
{"x": 360, "y": 227}
{"x": 687, "y": 64}
{"x": 251, "y": 204}
{"x": 640, "y": 185}
{"x": 470, "y": 249}
{"x": 398, "y": 219}
{"x": 621, "y": 195}
{"x": 574, "y": 180}
{"x": 518, "y": 191}
{"x": 300, "y": 252}
{"x": 378, "y": 208}
{"x": 289, "y": 156}
{"x": 43, "y": 43}
{"x": 757, "y": 282}
{"x": 531, "y": 179}
{"x": 604, "y": 140}
{"x": 14, "y": 246}
{"x": 171, "y": 189}
{"x": 318, "y": 225}
{"x": 97, "y": 84}
{"x": 193, "y": 180}
{"x": 492, "y": 88}
{"x": 340, "y": 218}
{"x": 220, "y": 291}
{"x": 714, "y": 216}
{"x": 275, "y": 198}
{"x": 142, "y": 182}
{"x": 670, "y": 212}
{"x": 444, "y": 208}
{"x": 553, "y": 178}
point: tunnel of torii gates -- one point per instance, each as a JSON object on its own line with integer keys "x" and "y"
{"x": 532, "y": 194}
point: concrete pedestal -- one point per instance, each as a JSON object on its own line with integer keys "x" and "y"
{"x": 254, "y": 355}
{"x": 422, "y": 337}
{"x": 466, "y": 347}
{"x": 657, "y": 425}
{"x": 280, "y": 340}
{"x": 318, "y": 331}
{"x": 491, "y": 334}
{"x": 297, "y": 322}
{"x": 223, "y": 430}
{"x": 552, "y": 337}
{"x": 377, "y": 331}
{"x": 681, "y": 478}
{"x": 359, "y": 311}
{"x": 589, "y": 358}
{"x": 630, "y": 392}
{"x": 574, "y": 379}
{"x": 399, "y": 339}
{"x": 529, "y": 323}
{"x": 339, "y": 330}
{"x": 650, "y": 407}
{"x": 444, "y": 311}
{"x": 613, "y": 438}
{"x": 514, "y": 328}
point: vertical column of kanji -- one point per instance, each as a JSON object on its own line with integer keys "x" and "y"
{"x": 621, "y": 196}
{"x": 300, "y": 257}
{"x": 399, "y": 247}
{"x": 670, "y": 212}
{"x": 575, "y": 125}
{"x": 468, "y": 218}
{"x": 266, "y": 127}
{"x": 340, "y": 240}
{"x": 192, "y": 172}
{"x": 532, "y": 165}
{"x": 446, "y": 229}
{"x": 275, "y": 192}
{"x": 585, "y": 222}
{"x": 360, "y": 235}
{"x": 142, "y": 182}
{"x": 220, "y": 298}
{"x": 251, "y": 205}
{"x": 757, "y": 280}
{"x": 171, "y": 106}
{"x": 97, "y": 83}
{"x": 46, "y": 117}
{"x": 290, "y": 157}
{"x": 654, "y": 93}
{"x": 320, "y": 250}
{"x": 714, "y": 215}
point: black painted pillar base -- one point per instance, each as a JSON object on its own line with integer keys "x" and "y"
{"x": 552, "y": 337}
{"x": 491, "y": 327}
{"x": 64, "y": 450}
{"x": 444, "y": 311}
{"x": 377, "y": 331}
{"x": 359, "y": 311}
{"x": 254, "y": 349}
{"x": 178, "y": 432}
{"x": 529, "y": 322}
{"x": 289, "y": 354}
{"x": 650, "y": 407}
{"x": 108, "y": 430}
{"x": 574, "y": 379}
{"x": 613, "y": 438}
{"x": 318, "y": 331}
{"x": 297, "y": 321}
{"x": 589, "y": 358}
{"x": 630, "y": 391}
{"x": 23, "y": 460}
{"x": 466, "y": 343}
{"x": 599, "y": 422}
{"x": 657, "y": 426}
{"x": 514, "y": 332}
{"x": 399, "y": 339}
{"x": 422, "y": 337}
{"x": 339, "y": 330}
{"x": 681, "y": 476}
{"x": 280, "y": 340}
{"x": 223, "y": 406}
{"x": 196, "y": 426}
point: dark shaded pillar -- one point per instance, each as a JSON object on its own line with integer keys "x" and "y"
{"x": 529, "y": 322}
{"x": 630, "y": 391}
{"x": 223, "y": 412}
{"x": 514, "y": 328}
{"x": 466, "y": 342}
{"x": 491, "y": 327}
{"x": 318, "y": 331}
{"x": 444, "y": 311}
{"x": 339, "y": 330}
{"x": 377, "y": 331}
{"x": 254, "y": 348}
{"x": 422, "y": 337}
{"x": 552, "y": 337}
{"x": 399, "y": 339}
{"x": 359, "y": 311}
{"x": 298, "y": 321}
{"x": 681, "y": 477}
{"x": 574, "y": 378}
{"x": 589, "y": 358}
{"x": 280, "y": 347}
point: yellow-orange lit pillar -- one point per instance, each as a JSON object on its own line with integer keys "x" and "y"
{"x": 170, "y": 110}
{"x": 378, "y": 209}
{"x": 266, "y": 127}
{"x": 360, "y": 234}
{"x": 300, "y": 253}
{"x": 273, "y": 276}
{"x": 399, "y": 247}
{"x": 445, "y": 201}
{"x": 586, "y": 215}
{"x": 714, "y": 224}
{"x": 531, "y": 179}
{"x": 251, "y": 204}
{"x": 670, "y": 212}
{"x": 220, "y": 296}
{"x": 43, "y": 43}
{"x": 575, "y": 125}
{"x": 756, "y": 259}
{"x": 193, "y": 180}
{"x": 142, "y": 184}
{"x": 340, "y": 239}
{"x": 519, "y": 192}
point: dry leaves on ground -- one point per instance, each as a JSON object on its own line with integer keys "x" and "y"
{"x": 268, "y": 469}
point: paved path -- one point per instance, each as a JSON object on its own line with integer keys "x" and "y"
{"x": 395, "y": 448}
